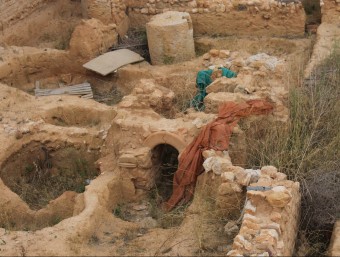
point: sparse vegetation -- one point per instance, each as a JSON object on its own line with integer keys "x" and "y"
{"x": 165, "y": 219}
{"x": 41, "y": 182}
{"x": 307, "y": 150}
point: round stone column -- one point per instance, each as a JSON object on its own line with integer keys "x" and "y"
{"x": 170, "y": 38}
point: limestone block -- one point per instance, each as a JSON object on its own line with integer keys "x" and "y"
{"x": 275, "y": 217}
{"x": 234, "y": 169}
{"x": 224, "y": 54}
{"x": 220, "y": 164}
{"x": 279, "y": 196}
{"x": 228, "y": 176}
{"x": 243, "y": 177}
{"x": 214, "y": 52}
{"x": 247, "y": 232}
{"x": 254, "y": 175}
{"x": 264, "y": 241}
{"x": 207, "y": 164}
{"x": 222, "y": 84}
{"x": 229, "y": 188}
{"x": 251, "y": 225}
{"x": 251, "y": 218}
{"x": 274, "y": 226}
{"x": 170, "y": 38}
{"x": 262, "y": 59}
{"x": 280, "y": 176}
{"x": 127, "y": 158}
{"x": 271, "y": 171}
{"x": 140, "y": 156}
{"x": 271, "y": 232}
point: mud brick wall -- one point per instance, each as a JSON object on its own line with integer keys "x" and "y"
{"x": 227, "y": 17}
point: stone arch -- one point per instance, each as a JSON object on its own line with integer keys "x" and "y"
{"x": 164, "y": 137}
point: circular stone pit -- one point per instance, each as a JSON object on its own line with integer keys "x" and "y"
{"x": 40, "y": 172}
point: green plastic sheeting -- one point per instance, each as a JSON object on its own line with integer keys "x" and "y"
{"x": 203, "y": 80}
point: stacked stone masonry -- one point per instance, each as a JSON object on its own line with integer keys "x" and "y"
{"x": 226, "y": 17}
{"x": 269, "y": 220}
{"x": 107, "y": 11}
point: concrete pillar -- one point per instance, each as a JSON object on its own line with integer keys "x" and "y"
{"x": 170, "y": 38}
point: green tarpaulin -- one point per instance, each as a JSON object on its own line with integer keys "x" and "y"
{"x": 203, "y": 80}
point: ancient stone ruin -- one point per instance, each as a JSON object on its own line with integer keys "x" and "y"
{"x": 165, "y": 50}
{"x": 92, "y": 176}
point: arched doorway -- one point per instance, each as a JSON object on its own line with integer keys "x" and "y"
{"x": 165, "y": 163}
{"x": 164, "y": 137}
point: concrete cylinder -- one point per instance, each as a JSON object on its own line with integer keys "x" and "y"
{"x": 170, "y": 38}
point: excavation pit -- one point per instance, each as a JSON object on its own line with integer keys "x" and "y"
{"x": 41, "y": 172}
{"x": 104, "y": 88}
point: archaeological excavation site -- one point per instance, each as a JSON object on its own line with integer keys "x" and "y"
{"x": 169, "y": 127}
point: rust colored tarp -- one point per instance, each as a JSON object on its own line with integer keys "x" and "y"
{"x": 214, "y": 135}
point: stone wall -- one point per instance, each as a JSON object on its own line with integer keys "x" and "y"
{"x": 226, "y": 17}
{"x": 258, "y": 77}
{"x": 139, "y": 127}
{"x": 107, "y": 11}
{"x": 269, "y": 220}
{"x": 12, "y": 11}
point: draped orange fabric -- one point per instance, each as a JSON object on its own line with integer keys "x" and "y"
{"x": 214, "y": 135}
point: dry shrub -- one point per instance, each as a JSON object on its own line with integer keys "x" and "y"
{"x": 307, "y": 149}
